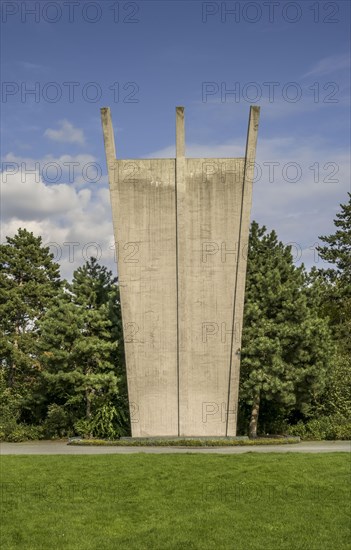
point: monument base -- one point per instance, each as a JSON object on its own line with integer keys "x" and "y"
{"x": 186, "y": 438}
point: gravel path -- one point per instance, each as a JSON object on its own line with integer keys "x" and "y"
{"x": 61, "y": 447}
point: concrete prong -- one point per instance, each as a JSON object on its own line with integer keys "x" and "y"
{"x": 252, "y": 133}
{"x": 180, "y": 133}
{"x": 109, "y": 141}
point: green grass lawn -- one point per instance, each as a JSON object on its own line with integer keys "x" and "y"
{"x": 159, "y": 502}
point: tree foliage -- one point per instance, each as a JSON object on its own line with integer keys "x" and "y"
{"x": 62, "y": 366}
{"x": 29, "y": 281}
{"x": 78, "y": 348}
{"x": 334, "y": 286}
{"x": 337, "y": 249}
{"x": 286, "y": 345}
{"x": 336, "y": 280}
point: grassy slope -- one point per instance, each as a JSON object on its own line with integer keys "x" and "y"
{"x": 241, "y": 502}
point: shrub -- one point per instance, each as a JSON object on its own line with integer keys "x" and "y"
{"x": 10, "y": 409}
{"x": 24, "y": 432}
{"x": 57, "y": 422}
{"x": 325, "y": 427}
{"x": 107, "y": 422}
{"x": 82, "y": 427}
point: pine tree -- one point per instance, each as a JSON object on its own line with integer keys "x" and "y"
{"x": 334, "y": 288}
{"x": 336, "y": 281}
{"x": 78, "y": 347}
{"x": 29, "y": 280}
{"x": 285, "y": 344}
{"x": 338, "y": 246}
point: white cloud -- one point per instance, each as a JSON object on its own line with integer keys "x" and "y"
{"x": 76, "y": 222}
{"x": 72, "y": 216}
{"x": 202, "y": 151}
{"x": 29, "y": 198}
{"x": 300, "y": 99}
{"x": 32, "y": 66}
{"x": 80, "y": 169}
{"x": 67, "y": 133}
{"x": 330, "y": 64}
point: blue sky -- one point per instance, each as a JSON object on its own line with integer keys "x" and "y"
{"x": 292, "y": 58}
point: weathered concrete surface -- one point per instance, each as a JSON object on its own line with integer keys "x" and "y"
{"x": 143, "y": 204}
{"x": 208, "y": 249}
{"x": 182, "y": 230}
{"x": 61, "y": 448}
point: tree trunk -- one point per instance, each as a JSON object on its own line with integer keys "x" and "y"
{"x": 87, "y": 405}
{"x": 11, "y": 375}
{"x": 254, "y": 417}
{"x": 87, "y": 410}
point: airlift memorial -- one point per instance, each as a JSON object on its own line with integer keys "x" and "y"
{"x": 182, "y": 227}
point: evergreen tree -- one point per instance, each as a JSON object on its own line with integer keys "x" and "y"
{"x": 78, "y": 349}
{"x": 336, "y": 281}
{"x": 29, "y": 280}
{"x": 338, "y": 246}
{"x": 334, "y": 290}
{"x": 286, "y": 345}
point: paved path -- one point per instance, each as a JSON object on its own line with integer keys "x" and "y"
{"x": 61, "y": 447}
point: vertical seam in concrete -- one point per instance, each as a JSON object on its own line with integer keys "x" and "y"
{"x": 180, "y": 152}
{"x": 177, "y": 289}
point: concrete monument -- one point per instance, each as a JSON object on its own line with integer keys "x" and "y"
{"x": 181, "y": 229}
